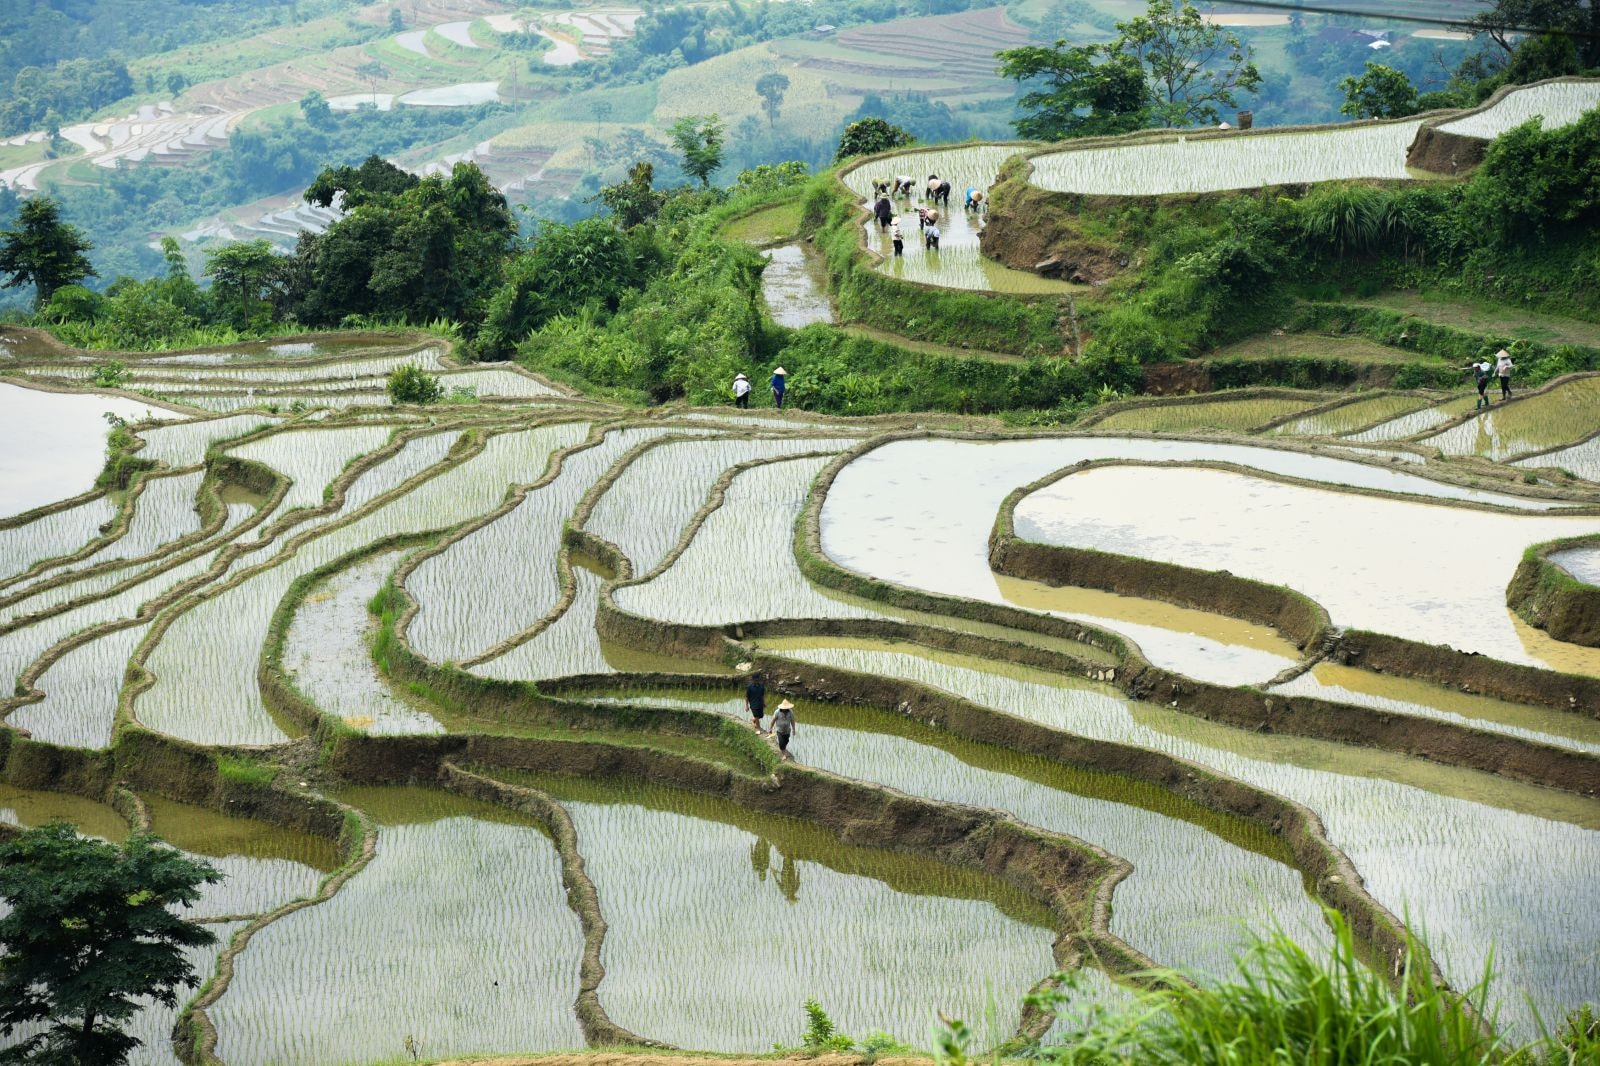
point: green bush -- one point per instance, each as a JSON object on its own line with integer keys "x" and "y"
{"x": 411, "y": 384}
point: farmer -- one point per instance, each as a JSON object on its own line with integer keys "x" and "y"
{"x": 880, "y": 187}
{"x": 903, "y": 184}
{"x": 1502, "y": 370}
{"x": 884, "y": 210}
{"x": 741, "y": 390}
{"x": 930, "y": 236}
{"x": 780, "y": 381}
{"x": 898, "y": 237}
{"x": 941, "y": 193}
{"x": 783, "y": 726}
{"x": 755, "y": 699}
{"x": 922, "y": 218}
{"x": 974, "y": 200}
{"x": 1481, "y": 372}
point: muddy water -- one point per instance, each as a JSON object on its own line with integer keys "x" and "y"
{"x": 52, "y": 444}
{"x": 30, "y": 809}
{"x": 1582, "y": 459}
{"x": 766, "y": 911}
{"x": 1566, "y": 413}
{"x": 1410, "y": 425}
{"x": 457, "y": 934}
{"x": 795, "y": 288}
{"x": 1353, "y": 416}
{"x": 1374, "y": 563}
{"x": 1202, "y": 883}
{"x": 1346, "y": 684}
{"x": 1514, "y": 877}
{"x": 1200, "y": 644}
{"x": 328, "y": 655}
{"x": 264, "y": 866}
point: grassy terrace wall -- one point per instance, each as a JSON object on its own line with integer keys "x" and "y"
{"x": 1549, "y": 598}
{"x": 999, "y": 322}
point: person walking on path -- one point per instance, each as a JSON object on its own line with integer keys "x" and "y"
{"x": 898, "y": 237}
{"x": 741, "y": 391}
{"x": 1481, "y": 372}
{"x": 780, "y": 381}
{"x": 1502, "y": 370}
{"x": 783, "y": 727}
{"x": 755, "y": 699}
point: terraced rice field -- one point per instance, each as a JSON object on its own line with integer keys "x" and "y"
{"x": 564, "y": 596}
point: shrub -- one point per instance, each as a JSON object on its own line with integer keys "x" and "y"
{"x": 411, "y": 384}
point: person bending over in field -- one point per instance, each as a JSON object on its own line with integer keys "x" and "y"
{"x": 974, "y": 200}
{"x": 903, "y": 184}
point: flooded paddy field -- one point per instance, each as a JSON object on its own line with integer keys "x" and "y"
{"x": 550, "y": 606}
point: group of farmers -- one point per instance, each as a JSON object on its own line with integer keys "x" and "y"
{"x": 741, "y": 388}
{"x": 936, "y": 191}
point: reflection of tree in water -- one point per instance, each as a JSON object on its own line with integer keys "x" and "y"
{"x": 788, "y": 876}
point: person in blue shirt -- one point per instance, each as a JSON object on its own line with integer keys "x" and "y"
{"x": 780, "y": 378}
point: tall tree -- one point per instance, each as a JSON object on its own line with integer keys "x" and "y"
{"x": 44, "y": 251}
{"x": 1380, "y": 92}
{"x": 699, "y": 140}
{"x": 771, "y": 87}
{"x": 1085, "y": 91}
{"x": 869, "y": 135}
{"x": 93, "y": 928}
{"x": 1191, "y": 66}
{"x": 241, "y": 276}
{"x": 1509, "y": 20}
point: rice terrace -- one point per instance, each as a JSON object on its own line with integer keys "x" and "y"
{"x": 1106, "y": 661}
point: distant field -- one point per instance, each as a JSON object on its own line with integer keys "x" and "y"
{"x": 1314, "y": 346}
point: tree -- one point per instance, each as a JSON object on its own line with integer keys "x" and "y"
{"x": 43, "y": 251}
{"x": 375, "y": 177}
{"x": 372, "y": 72}
{"x": 868, "y": 136}
{"x": 1191, "y": 67}
{"x": 314, "y": 106}
{"x": 636, "y": 200}
{"x": 92, "y": 929}
{"x": 699, "y": 140}
{"x": 1087, "y": 90}
{"x": 241, "y": 276}
{"x": 397, "y": 21}
{"x": 412, "y": 384}
{"x": 1380, "y": 92}
{"x": 1508, "y": 20}
{"x": 771, "y": 87}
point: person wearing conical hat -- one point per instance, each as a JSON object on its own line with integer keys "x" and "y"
{"x": 783, "y": 726}
{"x": 780, "y": 381}
{"x": 741, "y": 390}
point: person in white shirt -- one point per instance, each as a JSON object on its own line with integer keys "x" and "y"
{"x": 1502, "y": 370}
{"x": 741, "y": 391}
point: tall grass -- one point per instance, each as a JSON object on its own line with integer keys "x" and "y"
{"x": 1290, "y": 1006}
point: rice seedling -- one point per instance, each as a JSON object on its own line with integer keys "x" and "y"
{"x": 1387, "y": 578}
{"x": 1417, "y": 421}
{"x": 1187, "y": 164}
{"x": 327, "y": 654}
{"x": 185, "y": 443}
{"x": 496, "y": 381}
{"x": 80, "y": 692}
{"x": 739, "y": 566}
{"x": 456, "y": 935}
{"x": 501, "y": 579}
{"x": 1347, "y": 684}
{"x": 569, "y": 645}
{"x": 205, "y": 664}
{"x": 767, "y": 911}
{"x": 647, "y": 508}
{"x": 1475, "y": 878}
{"x": 1558, "y": 416}
{"x": 1582, "y": 459}
{"x": 312, "y": 458}
{"x": 50, "y": 535}
{"x": 1239, "y": 415}
{"x": 1581, "y": 563}
{"x": 1559, "y": 104}
{"x": 1200, "y": 884}
{"x": 1349, "y": 417}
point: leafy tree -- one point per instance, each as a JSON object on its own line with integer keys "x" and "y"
{"x": 412, "y": 384}
{"x": 770, "y": 178}
{"x": 771, "y": 87}
{"x": 92, "y": 928}
{"x": 868, "y": 136}
{"x": 314, "y": 106}
{"x": 698, "y": 139}
{"x": 375, "y": 177}
{"x": 43, "y": 251}
{"x": 242, "y": 276}
{"x": 1509, "y": 20}
{"x": 1191, "y": 67}
{"x": 1381, "y": 92}
{"x": 1533, "y": 180}
{"x": 636, "y": 200}
{"x": 1087, "y": 90}
{"x": 177, "y": 82}
{"x": 372, "y": 72}
{"x": 397, "y": 21}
